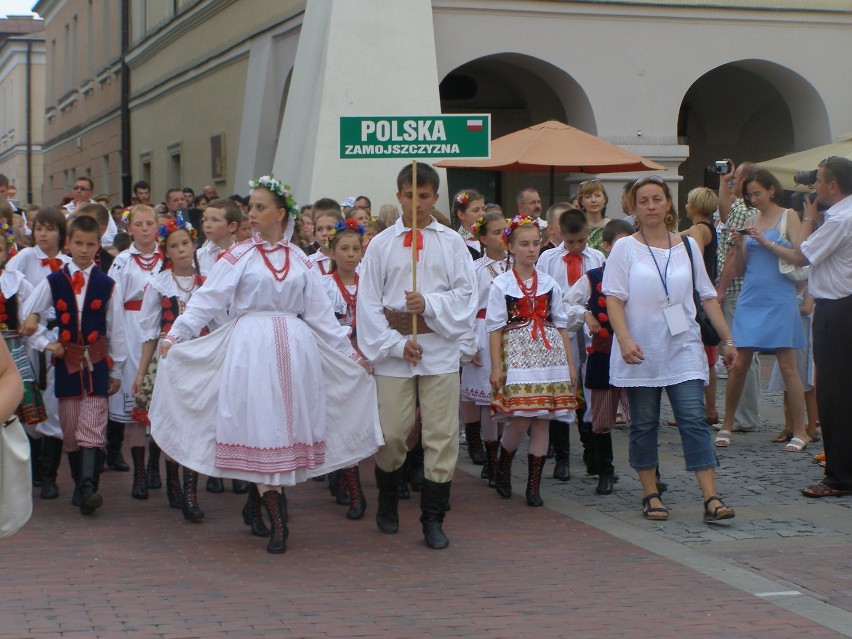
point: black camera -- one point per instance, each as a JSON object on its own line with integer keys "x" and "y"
{"x": 721, "y": 167}
{"x": 742, "y": 231}
{"x": 797, "y": 201}
{"x": 806, "y": 178}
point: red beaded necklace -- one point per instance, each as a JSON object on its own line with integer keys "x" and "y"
{"x": 279, "y": 274}
{"x": 349, "y": 298}
{"x": 147, "y": 263}
{"x": 527, "y": 291}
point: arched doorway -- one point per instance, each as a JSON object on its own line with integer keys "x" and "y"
{"x": 747, "y": 110}
{"x": 518, "y": 91}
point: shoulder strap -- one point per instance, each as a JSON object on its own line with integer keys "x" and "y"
{"x": 782, "y": 228}
{"x": 691, "y": 262}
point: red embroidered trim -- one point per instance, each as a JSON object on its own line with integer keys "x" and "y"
{"x": 282, "y": 459}
{"x": 285, "y": 377}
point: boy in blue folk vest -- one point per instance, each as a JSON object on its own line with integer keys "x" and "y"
{"x": 89, "y": 354}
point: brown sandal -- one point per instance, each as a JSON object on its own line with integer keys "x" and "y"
{"x": 782, "y": 437}
{"x": 823, "y": 490}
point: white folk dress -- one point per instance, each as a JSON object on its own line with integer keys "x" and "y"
{"x": 132, "y": 279}
{"x": 32, "y": 262}
{"x": 475, "y": 384}
{"x": 275, "y": 396}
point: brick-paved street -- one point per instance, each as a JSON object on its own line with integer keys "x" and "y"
{"x": 585, "y": 566}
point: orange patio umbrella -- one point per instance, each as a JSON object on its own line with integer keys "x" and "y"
{"x": 555, "y": 147}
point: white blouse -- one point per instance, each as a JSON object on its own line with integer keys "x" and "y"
{"x": 486, "y": 270}
{"x": 162, "y": 285}
{"x": 632, "y": 276}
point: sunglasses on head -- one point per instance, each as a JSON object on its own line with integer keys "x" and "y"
{"x": 648, "y": 179}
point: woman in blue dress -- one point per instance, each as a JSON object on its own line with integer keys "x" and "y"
{"x": 767, "y": 317}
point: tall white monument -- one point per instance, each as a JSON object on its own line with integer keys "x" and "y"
{"x": 355, "y": 58}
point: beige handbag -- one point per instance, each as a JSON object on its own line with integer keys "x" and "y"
{"x": 795, "y": 273}
{"x": 16, "y": 496}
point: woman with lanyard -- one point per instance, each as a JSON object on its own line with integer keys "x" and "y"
{"x": 648, "y": 285}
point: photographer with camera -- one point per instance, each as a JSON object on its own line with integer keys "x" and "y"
{"x": 825, "y": 242}
{"x": 734, "y": 212}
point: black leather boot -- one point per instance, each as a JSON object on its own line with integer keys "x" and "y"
{"x": 536, "y": 466}
{"x": 215, "y": 485}
{"x": 387, "y": 510}
{"x": 273, "y": 501}
{"x": 140, "y": 479}
{"x": 434, "y": 500}
{"x": 357, "y": 501}
{"x": 191, "y": 511}
{"x": 341, "y": 490}
{"x": 240, "y": 486}
{"x": 36, "y": 461}
{"x": 115, "y": 439}
{"x": 504, "y": 473}
{"x": 472, "y": 433}
{"x": 152, "y": 476}
{"x": 489, "y": 471}
{"x": 90, "y": 468}
{"x": 51, "y": 456}
{"x": 74, "y": 466}
{"x": 414, "y": 475}
{"x": 174, "y": 493}
{"x": 603, "y": 459}
{"x": 585, "y": 429}
{"x": 560, "y": 437}
{"x": 253, "y": 512}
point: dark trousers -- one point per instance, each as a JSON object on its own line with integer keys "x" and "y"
{"x": 833, "y": 361}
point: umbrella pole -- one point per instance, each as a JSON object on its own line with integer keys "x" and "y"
{"x": 552, "y": 184}
{"x": 414, "y": 237}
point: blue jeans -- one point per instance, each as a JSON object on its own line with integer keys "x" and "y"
{"x": 687, "y": 400}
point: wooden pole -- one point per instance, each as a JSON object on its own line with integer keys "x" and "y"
{"x": 414, "y": 236}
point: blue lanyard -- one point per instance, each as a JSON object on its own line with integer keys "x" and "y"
{"x": 663, "y": 278}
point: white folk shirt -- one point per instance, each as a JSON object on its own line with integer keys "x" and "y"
{"x": 829, "y": 250}
{"x": 41, "y": 302}
{"x": 552, "y": 262}
{"x": 207, "y": 255}
{"x": 111, "y": 231}
{"x": 321, "y": 262}
{"x": 631, "y": 276}
{"x": 445, "y": 278}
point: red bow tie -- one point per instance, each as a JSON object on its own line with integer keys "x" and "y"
{"x": 78, "y": 281}
{"x": 53, "y": 262}
{"x": 406, "y": 242}
{"x": 575, "y": 266}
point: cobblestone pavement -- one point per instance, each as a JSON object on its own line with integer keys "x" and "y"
{"x": 584, "y": 566}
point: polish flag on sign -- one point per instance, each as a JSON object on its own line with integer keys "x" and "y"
{"x": 474, "y": 125}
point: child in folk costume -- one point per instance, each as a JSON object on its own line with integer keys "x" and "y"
{"x": 89, "y": 354}
{"x": 36, "y": 263}
{"x": 242, "y": 402}
{"x": 132, "y": 270}
{"x": 341, "y": 285}
{"x": 475, "y": 385}
{"x": 585, "y": 297}
{"x": 405, "y": 369}
{"x": 165, "y": 298}
{"x": 220, "y": 222}
{"x": 566, "y": 264}
{"x": 532, "y": 368}
{"x": 324, "y": 223}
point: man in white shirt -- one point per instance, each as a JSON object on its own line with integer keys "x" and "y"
{"x": 83, "y": 189}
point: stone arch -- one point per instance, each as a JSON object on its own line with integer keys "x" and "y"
{"x": 518, "y": 91}
{"x": 747, "y": 110}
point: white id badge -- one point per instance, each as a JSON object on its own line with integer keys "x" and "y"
{"x": 676, "y": 319}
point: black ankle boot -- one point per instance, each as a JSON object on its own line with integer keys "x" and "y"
{"x": 474, "y": 443}
{"x": 273, "y": 501}
{"x": 74, "y": 466}
{"x": 387, "y": 510}
{"x": 152, "y": 476}
{"x": 51, "y": 456}
{"x": 215, "y": 485}
{"x": 414, "y": 469}
{"x": 434, "y": 500}
{"x": 140, "y": 479}
{"x": 239, "y": 486}
{"x": 191, "y": 510}
{"x": 503, "y": 480}
{"x": 489, "y": 471}
{"x": 115, "y": 439}
{"x": 253, "y": 512}
{"x": 357, "y": 501}
{"x": 341, "y": 489}
{"x": 536, "y": 466}
{"x": 174, "y": 493}
{"x": 36, "y": 461}
{"x": 603, "y": 460}
{"x": 90, "y": 466}
{"x": 560, "y": 437}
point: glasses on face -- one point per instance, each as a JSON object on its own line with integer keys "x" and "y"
{"x": 81, "y": 188}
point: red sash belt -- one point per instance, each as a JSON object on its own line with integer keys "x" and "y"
{"x": 481, "y": 314}
{"x": 133, "y": 305}
{"x": 77, "y": 357}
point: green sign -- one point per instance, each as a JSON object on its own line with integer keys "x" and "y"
{"x": 416, "y": 136}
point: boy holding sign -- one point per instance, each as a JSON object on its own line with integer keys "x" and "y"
{"x": 416, "y": 339}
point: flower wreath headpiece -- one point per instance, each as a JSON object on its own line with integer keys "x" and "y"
{"x": 9, "y": 234}
{"x": 272, "y": 185}
{"x": 174, "y": 224}
{"x": 346, "y": 225}
{"x": 517, "y": 222}
{"x": 462, "y": 198}
{"x": 478, "y": 226}
{"x": 125, "y": 215}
